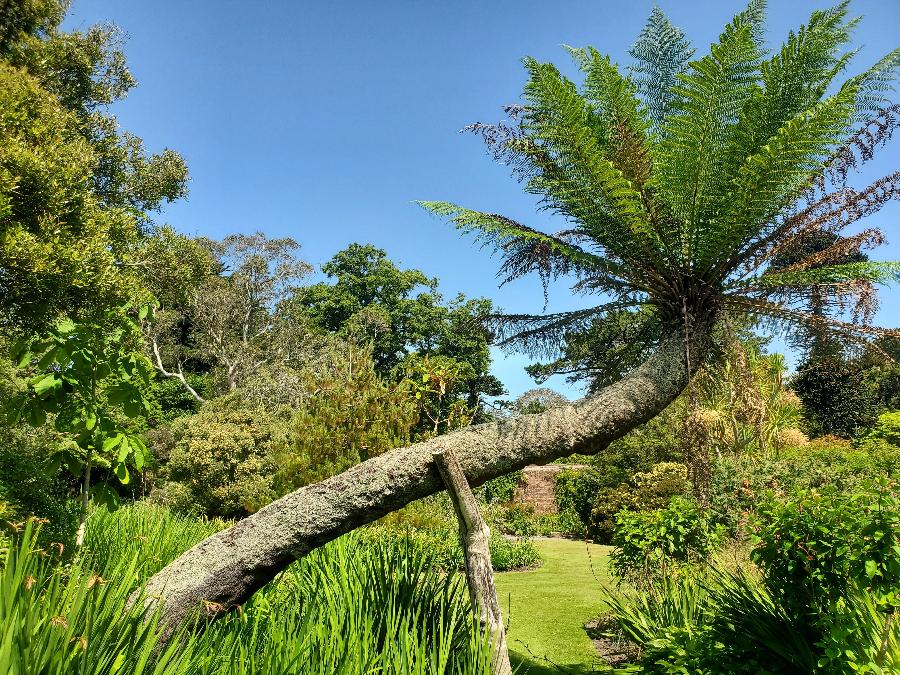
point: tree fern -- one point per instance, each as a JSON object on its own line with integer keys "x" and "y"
{"x": 682, "y": 181}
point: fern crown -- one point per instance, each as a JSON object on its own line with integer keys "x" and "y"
{"x": 683, "y": 177}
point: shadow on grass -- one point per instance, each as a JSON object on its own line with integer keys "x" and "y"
{"x": 531, "y": 665}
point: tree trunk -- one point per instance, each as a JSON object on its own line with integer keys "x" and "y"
{"x": 85, "y": 501}
{"x": 228, "y": 567}
{"x": 475, "y": 537}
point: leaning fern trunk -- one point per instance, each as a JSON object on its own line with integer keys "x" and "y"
{"x": 227, "y": 568}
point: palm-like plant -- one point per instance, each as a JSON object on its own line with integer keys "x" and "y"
{"x": 682, "y": 180}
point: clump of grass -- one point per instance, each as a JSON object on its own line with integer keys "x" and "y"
{"x": 350, "y": 607}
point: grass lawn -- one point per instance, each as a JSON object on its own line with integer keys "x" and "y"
{"x": 546, "y": 609}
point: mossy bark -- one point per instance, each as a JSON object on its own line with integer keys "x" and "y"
{"x": 228, "y": 567}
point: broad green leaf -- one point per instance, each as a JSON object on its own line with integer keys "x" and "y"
{"x": 110, "y": 443}
{"x": 43, "y": 384}
{"x": 122, "y": 473}
{"x": 124, "y": 450}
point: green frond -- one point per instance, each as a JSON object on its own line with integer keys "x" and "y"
{"x": 688, "y": 165}
{"x": 874, "y": 85}
{"x": 615, "y": 101}
{"x": 775, "y": 176}
{"x": 870, "y": 272}
{"x": 793, "y": 79}
{"x": 661, "y": 52}
{"x": 512, "y": 239}
{"x": 567, "y": 142}
{"x": 613, "y": 96}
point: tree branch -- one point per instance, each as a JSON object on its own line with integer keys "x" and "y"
{"x": 475, "y": 537}
{"x": 179, "y": 375}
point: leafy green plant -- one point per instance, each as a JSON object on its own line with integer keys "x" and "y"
{"x": 89, "y": 375}
{"x": 650, "y": 544}
{"x": 221, "y": 461}
{"x": 501, "y": 489}
{"x": 345, "y": 609}
{"x": 817, "y": 548}
{"x": 646, "y": 491}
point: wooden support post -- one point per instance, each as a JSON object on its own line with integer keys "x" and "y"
{"x": 475, "y": 537}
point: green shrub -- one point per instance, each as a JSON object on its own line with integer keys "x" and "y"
{"x": 353, "y": 415}
{"x": 221, "y": 460}
{"x": 520, "y": 520}
{"x": 837, "y": 397}
{"x": 828, "y": 585}
{"x": 650, "y": 544}
{"x": 817, "y": 547}
{"x": 30, "y": 485}
{"x": 431, "y": 525}
{"x": 502, "y": 488}
{"x": 576, "y": 490}
{"x": 740, "y": 483}
{"x": 646, "y": 491}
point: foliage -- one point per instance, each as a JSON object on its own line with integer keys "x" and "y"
{"x": 21, "y": 19}
{"x": 433, "y": 379}
{"x": 740, "y": 484}
{"x": 86, "y": 71}
{"x": 347, "y": 608}
{"x": 717, "y": 623}
{"x": 829, "y": 576}
{"x": 31, "y": 486}
{"x": 402, "y": 313}
{"x": 814, "y": 548}
{"x": 60, "y": 247}
{"x": 677, "y": 199}
{"x": 647, "y": 491}
{"x": 431, "y": 524}
{"x": 838, "y": 399}
{"x": 75, "y": 190}
{"x": 220, "y": 462}
{"x": 91, "y": 379}
{"x": 521, "y": 521}
{"x": 886, "y": 430}
{"x": 662, "y": 542}
{"x": 350, "y": 414}
{"x": 502, "y": 488}
{"x": 576, "y": 490}
{"x": 744, "y": 405}
{"x": 235, "y": 319}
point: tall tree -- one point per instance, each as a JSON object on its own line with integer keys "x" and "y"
{"x": 76, "y": 192}
{"x": 237, "y": 320}
{"x": 680, "y": 220}
{"x": 405, "y": 318}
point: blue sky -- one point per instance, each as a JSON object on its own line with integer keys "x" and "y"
{"x": 325, "y": 121}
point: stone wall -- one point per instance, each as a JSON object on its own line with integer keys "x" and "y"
{"x": 537, "y": 488}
